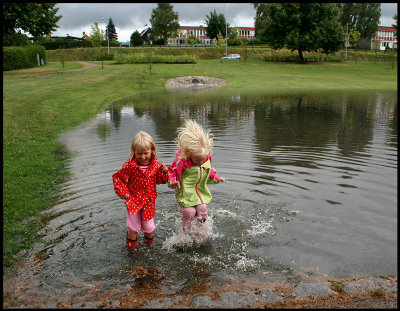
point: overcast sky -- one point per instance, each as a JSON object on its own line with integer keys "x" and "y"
{"x": 128, "y": 17}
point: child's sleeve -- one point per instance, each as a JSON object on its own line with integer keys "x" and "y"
{"x": 176, "y": 168}
{"x": 213, "y": 177}
{"x": 120, "y": 180}
{"x": 161, "y": 176}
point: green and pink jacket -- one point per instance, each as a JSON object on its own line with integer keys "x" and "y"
{"x": 193, "y": 180}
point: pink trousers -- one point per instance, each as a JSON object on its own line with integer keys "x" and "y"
{"x": 137, "y": 223}
{"x": 188, "y": 214}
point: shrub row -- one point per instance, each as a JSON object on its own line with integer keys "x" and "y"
{"x": 66, "y": 44}
{"x": 210, "y": 52}
{"x": 91, "y": 54}
{"x": 358, "y": 55}
{"x": 318, "y": 57}
{"x": 19, "y": 57}
{"x": 142, "y": 58}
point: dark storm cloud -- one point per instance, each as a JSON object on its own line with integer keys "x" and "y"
{"x": 122, "y": 14}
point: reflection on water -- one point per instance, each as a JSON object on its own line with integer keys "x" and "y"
{"x": 311, "y": 190}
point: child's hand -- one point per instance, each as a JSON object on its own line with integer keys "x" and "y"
{"x": 126, "y": 196}
{"x": 221, "y": 179}
{"x": 175, "y": 185}
{"x": 164, "y": 167}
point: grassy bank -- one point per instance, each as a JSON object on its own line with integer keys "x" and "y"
{"x": 38, "y": 107}
{"x": 210, "y": 52}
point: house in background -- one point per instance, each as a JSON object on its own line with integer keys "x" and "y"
{"x": 247, "y": 32}
{"x": 384, "y": 38}
{"x": 184, "y": 32}
{"x": 84, "y": 37}
{"x": 145, "y": 34}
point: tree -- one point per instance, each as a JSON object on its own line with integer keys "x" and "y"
{"x": 234, "y": 38}
{"x": 37, "y": 19}
{"x": 164, "y": 21}
{"x": 245, "y": 54}
{"x": 219, "y": 44}
{"x": 395, "y": 25}
{"x": 215, "y": 24}
{"x": 15, "y": 39}
{"x": 136, "y": 39}
{"x": 354, "y": 37}
{"x": 302, "y": 27}
{"x": 96, "y": 35}
{"x": 261, "y": 17}
{"x": 191, "y": 40}
{"x": 111, "y": 33}
{"x": 363, "y": 17}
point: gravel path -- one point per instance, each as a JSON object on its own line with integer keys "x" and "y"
{"x": 86, "y": 65}
{"x": 374, "y": 292}
{"x": 366, "y": 293}
{"x": 182, "y": 82}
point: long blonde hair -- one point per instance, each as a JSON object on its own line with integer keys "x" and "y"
{"x": 194, "y": 140}
{"x": 143, "y": 141}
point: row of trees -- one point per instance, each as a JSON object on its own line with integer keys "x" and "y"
{"x": 315, "y": 26}
{"x": 298, "y": 26}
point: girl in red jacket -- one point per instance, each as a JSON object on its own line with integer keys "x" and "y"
{"x": 136, "y": 184}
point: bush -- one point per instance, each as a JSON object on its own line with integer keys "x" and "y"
{"x": 159, "y": 41}
{"x": 142, "y": 58}
{"x": 105, "y": 56}
{"x": 19, "y": 57}
{"x": 15, "y": 39}
{"x": 65, "y": 44}
{"x": 308, "y": 57}
{"x": 255, "y": 41}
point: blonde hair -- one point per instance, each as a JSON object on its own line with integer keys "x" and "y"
{"x": 193, "y": 140}
{"x": 143, "y": 141}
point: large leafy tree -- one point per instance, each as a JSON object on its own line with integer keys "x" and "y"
{"x": 216, "y": 23}
{"x": 164, "y": 21}
{"x": 111, "y": 33}
{"x": 302, "y": 26}
{"x": 260, "y": 19}
{"x": 363, "y": 17}
{"x": 37, "y": 19}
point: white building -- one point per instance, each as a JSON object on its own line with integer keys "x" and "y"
{"x": 384, "y": 38}
{"x": 184, "y": 32}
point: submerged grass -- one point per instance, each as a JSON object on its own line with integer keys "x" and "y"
{"x": 37, "y": 108}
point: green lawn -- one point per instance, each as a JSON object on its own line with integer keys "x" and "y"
{"x": 38, "y": 107}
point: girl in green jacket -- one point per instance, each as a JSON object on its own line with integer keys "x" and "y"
{"x": 191, "y": 171}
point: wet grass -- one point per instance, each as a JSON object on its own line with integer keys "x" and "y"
{"x": 49, "y": 67}
{"x": 37, "y": 108}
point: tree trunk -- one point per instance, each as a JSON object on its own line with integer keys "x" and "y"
{"x": 301, "y": 56}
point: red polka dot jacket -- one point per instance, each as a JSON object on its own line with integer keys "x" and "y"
{"x": 140, "y": 186}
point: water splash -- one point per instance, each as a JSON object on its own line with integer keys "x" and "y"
{"x": 199, "y": 234}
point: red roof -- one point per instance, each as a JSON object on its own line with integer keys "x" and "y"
{"x": 202, "y": 27}
{"x": 246, "y": 28}
{"x": 384, "y": 28}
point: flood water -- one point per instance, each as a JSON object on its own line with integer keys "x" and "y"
{"x": 311, "y": 191}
